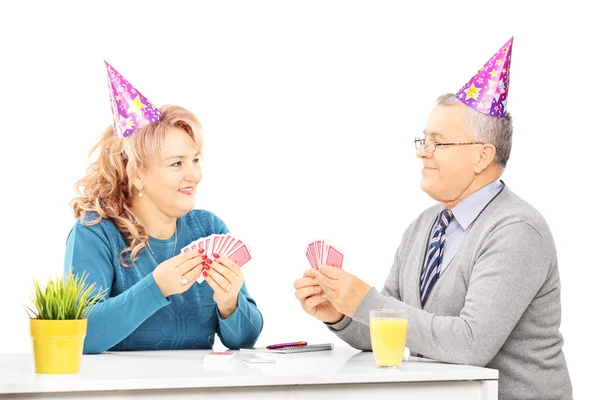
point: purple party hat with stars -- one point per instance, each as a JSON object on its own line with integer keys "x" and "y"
{"x": 131, "y": 110}
{"x": 487, "y": 91}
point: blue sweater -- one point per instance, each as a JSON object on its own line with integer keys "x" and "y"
{"x": 134, "y": 315}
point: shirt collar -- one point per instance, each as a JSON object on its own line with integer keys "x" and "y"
{"x": 467, "y": 210}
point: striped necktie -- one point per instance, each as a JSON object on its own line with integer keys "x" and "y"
{"x": 431, "y": 269}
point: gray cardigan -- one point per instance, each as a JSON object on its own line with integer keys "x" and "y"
{"x": 496, "y": 305}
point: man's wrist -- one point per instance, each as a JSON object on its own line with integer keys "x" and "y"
{"x": 334, "y": 321}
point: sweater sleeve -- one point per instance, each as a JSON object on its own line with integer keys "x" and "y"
{"x": 114, "y": 318}
{"x": 509, "y": 270}
{"x": 242, "y": 328}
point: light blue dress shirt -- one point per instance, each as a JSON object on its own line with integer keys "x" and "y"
{"x": 465, "y": 214}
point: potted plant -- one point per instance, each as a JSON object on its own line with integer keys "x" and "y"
{"x": 58, "y": 322}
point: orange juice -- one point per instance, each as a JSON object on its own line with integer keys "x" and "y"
{"x": 388, "y": 338}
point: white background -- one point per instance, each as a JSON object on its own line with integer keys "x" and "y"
{"x": 310, "y": 109}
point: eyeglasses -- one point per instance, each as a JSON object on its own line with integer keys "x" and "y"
{"x": 430, "y": 145}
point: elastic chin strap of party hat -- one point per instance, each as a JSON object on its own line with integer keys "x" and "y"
{"x": 131, "y": 110}
{"x": 487, "y": 91}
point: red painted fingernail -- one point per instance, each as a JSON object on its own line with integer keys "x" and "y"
{"x": 205, "y": 273}
{"x": 204, "y": 257}
{"x": 200, "y": 251}
{"x": 216, "y": 255}
{"x": 209, "y": 261}
{"x": 207, "y": 267}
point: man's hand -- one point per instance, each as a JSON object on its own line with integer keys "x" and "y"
{"x": 308, "y": 292}
{"x": 343, "y": 290}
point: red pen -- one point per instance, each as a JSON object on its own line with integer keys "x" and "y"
{"x": 279, "y": 346}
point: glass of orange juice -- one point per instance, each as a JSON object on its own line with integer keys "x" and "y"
{"x": 388, "y": 336}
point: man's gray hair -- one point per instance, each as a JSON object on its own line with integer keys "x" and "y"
{"x": 485, "y": 128}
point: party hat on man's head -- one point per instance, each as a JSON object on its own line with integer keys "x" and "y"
{"x": 487, "y": 91}
{"x": 131, "y": 110}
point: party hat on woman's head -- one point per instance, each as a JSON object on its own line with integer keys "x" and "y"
{"x": 131, "y": 110}
{"x": 487, "y": 91}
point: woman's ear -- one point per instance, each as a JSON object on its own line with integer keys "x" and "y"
{"x": 138, "y": 181}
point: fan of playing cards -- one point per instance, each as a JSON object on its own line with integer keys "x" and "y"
{"x": 322, "y": 252}
{"x": 223, "y": 245}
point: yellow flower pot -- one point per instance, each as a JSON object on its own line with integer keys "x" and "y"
{"x": 57, "y": 345}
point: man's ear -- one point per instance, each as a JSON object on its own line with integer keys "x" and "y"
{"x": 484, "y": 157}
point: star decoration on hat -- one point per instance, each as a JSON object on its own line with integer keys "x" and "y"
{"x": 472, "y": 92}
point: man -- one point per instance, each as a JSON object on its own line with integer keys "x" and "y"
{"x": 477, "y": 274}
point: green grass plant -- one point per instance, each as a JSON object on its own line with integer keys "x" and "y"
{"x": 64, "y": 299}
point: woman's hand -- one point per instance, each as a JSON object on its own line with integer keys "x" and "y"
{"x": 226, "y": 279}
{"x": 178, "y": 274}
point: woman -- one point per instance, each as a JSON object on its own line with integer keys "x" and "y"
{"x": 135, "y": 213}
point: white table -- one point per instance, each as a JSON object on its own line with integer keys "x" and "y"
{"x": 181, "y": 374}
